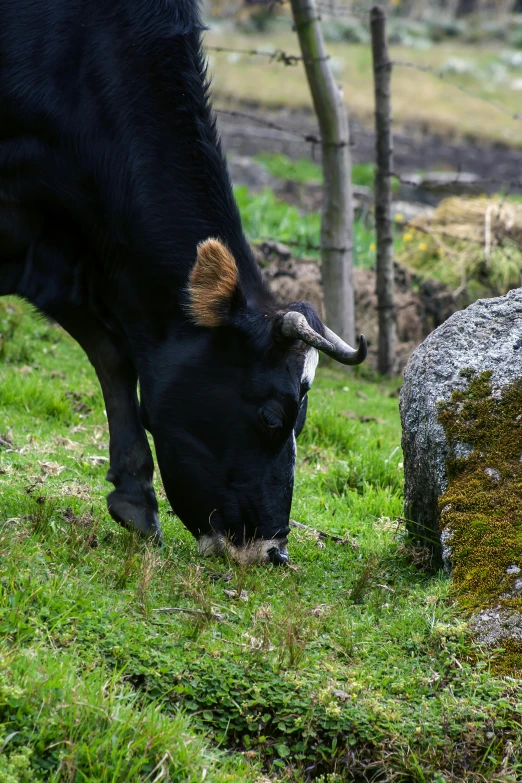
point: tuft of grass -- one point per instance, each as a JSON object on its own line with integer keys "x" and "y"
{"x": 352, "y": 664}
{"x": 362, "y": 582}
{"x": 283, "y": 167}
{"x": 265, "y": 216}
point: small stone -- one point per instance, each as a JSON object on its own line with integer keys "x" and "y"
{"x": 493, "y": 473}
{"x": 518, "y": 585}
{"x": 512, "y": 569}
{"x": 242, "y": 596}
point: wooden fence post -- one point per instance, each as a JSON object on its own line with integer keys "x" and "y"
{"x": 337, "y": 215}
{"x": 386, "y": 362}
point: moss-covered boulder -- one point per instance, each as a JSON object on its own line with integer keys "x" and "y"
{"x": 461, "y": 409}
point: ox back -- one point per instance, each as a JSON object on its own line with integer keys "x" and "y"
{"x": 117, "y": 219}
{"x": 107, "y": 135}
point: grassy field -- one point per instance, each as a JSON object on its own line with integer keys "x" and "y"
{"x": 351, "y": 665}
{"x": 265, "y": 216}
{"x": 419, "y": 99}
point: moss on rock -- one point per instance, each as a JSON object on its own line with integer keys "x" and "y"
{"x": 481, "y": 510}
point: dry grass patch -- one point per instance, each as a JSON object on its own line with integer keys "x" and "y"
{"x": 419, "y": 99}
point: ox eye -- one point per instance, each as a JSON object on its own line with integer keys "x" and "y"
{"x": 270, "y": 419}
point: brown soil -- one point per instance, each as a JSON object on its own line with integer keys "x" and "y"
{"x": 421, "y": 307}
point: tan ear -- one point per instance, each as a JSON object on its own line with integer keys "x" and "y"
{"x": 212, "y": 283}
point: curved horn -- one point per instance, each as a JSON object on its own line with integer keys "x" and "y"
{"x": 295, "y": 325}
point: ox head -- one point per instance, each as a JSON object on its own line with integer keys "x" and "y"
{"x": 231, "y": 413}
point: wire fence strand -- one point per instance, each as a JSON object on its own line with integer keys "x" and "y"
{"x": 310, "y": 138}
{"x": 287, "y": 59}
{"x": 276, "y": 56}
{"x": 458, "y": 180}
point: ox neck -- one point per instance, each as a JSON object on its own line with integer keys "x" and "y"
{"x": 160, "y": 170}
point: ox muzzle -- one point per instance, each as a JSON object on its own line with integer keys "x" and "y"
{"x": 260, "y": 551}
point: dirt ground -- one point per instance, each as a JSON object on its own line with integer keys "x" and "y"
{"x": 414, "y": 147}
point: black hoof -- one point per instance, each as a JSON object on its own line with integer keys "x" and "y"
{"x": 134, "y": 515}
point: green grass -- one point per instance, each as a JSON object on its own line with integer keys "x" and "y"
{"x": 353, "y": 664}
{"x": 265, "y": 216}
{"x": 304, "y": 170}
{"x": 283, "y": 167}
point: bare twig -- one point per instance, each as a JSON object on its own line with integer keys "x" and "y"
{"x": 459, "y": 180}
{"x": 194, "y": 612}
{"x": 323, "y": 535}
{"x": 311, "y": 138}
{"x": 359, "y": 11}
{"x": 277, "y": 56}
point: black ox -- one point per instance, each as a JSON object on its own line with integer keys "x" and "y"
{"x": 117, "y": 220}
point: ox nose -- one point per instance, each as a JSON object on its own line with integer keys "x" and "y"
{"x": 278, "y": 555}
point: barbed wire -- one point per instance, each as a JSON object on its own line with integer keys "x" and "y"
{"x": 276, "y": 56}
{"x": 356, "y": 132}
{"x": 405, "y": 224}
{"x": 412, "y": 225}
{"x": 304, "y": 244}
{"x": 342, "y": 9}
{"x": 280, "y": 56}
{"x": 310, "y": 138}
{"x": 283, "y": 57}
{"x": 511, "y": 184}
{"x": 315, "y": 139}
{"x": 345, "y": 12}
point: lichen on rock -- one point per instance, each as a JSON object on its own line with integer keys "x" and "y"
{"x": 481, "y": 509}
{"x": 461, "y": 409}
{"x": 486, "y": 337}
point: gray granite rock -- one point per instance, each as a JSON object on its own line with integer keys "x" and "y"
{"x": 492, "y": 627}
{"x": 485, "y": 336}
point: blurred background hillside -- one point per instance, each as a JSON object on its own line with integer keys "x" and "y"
{"x": 457, "y": 122}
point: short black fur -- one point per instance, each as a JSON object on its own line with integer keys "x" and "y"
{"x": 111, "y": 174}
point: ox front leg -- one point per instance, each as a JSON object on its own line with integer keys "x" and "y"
{"x": 133, "y": 502}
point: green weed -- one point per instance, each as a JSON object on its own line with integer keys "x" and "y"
{"x": 264, "y": 216}
{"x": 305, "y": 170}
{"x": 353, "y": 664}
{"x": 283, "y": 167}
